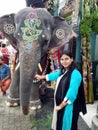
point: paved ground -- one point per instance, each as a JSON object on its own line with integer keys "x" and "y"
{"x": 13, "y": 119}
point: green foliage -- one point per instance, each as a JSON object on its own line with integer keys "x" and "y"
{"x": 85, "y": 26}
{"x": 88, "y": 24}
{"x": 44, "y": 122}
{"x": 95, "y": 23}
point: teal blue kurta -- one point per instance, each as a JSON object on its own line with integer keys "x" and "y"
{"x": 71, "y": 95}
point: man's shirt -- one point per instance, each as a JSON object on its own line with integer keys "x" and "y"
{"x": 4, "y": 71}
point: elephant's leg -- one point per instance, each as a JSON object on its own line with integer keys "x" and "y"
{"x": 35, "y": 102}
{"x": 13, "y": 98}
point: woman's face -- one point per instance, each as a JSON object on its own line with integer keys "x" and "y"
{"x": 66, "y": 61}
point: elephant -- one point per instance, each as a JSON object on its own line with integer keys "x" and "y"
{"x": 32, "y": 32}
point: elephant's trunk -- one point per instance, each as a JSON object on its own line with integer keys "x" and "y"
{"x": 29, "y": 59}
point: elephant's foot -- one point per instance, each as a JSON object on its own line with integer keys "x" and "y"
{"x": 34, "y": 105}
{"x": 12, "y": 102}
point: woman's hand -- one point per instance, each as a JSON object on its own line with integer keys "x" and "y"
{"x": 37, "y": 77}
{"x": 40, "y": 77}
{"x": 62, "y": 105}
{"x": 58, "y": 108}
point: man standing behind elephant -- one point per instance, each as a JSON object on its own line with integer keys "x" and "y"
{"x": 5, "y": 76}
{"x": 37, "y": 3}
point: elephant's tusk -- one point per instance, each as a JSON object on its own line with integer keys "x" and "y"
{"x": 17, "y": 66}
{"x": 39, "y": 66}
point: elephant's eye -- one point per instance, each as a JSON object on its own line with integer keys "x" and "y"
{"x": 43, "y": 36}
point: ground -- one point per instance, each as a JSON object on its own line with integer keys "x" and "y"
{"x": 13, "y": 118}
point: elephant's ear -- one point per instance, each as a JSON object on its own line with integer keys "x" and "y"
{"x": 62, "y": 32}
{"x": 62, "y": 29}
{"x": 7, "y": 27}
{"x": 8, "y": 24}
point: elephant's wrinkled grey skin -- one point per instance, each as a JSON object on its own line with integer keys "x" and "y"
{"x": 36, "y": 32}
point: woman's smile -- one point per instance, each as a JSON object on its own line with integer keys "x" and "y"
{"x": 66, "y": 61}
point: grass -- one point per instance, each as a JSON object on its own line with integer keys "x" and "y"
{"x": 43, "y": 122}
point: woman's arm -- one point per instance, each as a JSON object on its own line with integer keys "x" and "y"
{"x": 75, "y": 82}
{"x": 49, "y": 77}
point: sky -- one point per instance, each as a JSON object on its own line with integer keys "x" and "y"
{"x": 11, "y": 6}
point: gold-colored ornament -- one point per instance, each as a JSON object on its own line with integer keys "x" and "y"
{"x": 9, "y": 28}
{"x": 60, "y": 33}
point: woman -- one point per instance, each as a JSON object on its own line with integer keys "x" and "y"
{"x": 69, "y": 94}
